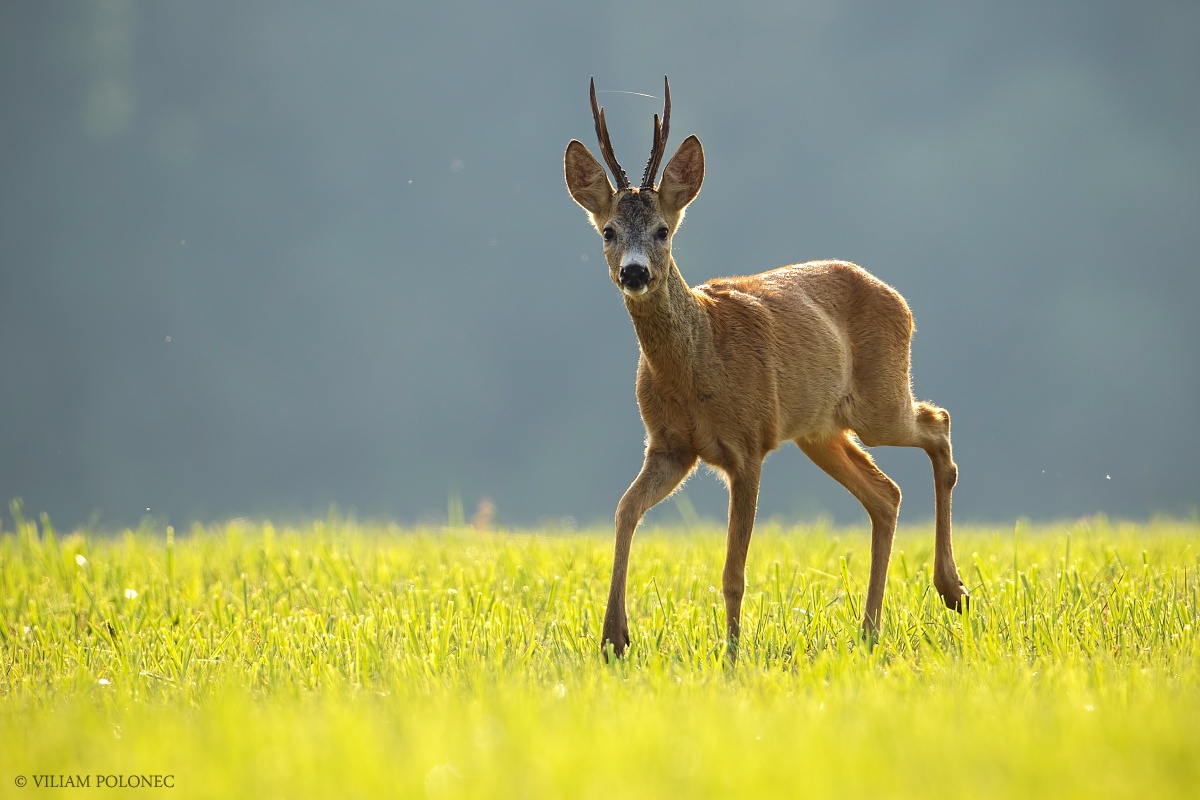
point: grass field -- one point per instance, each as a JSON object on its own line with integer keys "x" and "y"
{"x": 356, "y": 660}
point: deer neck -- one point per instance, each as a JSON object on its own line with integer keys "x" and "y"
{"x": 670, "y": 327}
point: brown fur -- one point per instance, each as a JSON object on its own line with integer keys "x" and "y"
{"x": 815, "y": 353}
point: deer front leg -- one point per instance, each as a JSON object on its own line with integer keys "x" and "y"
{"x": 661, "y": 472}
{"x": 743, "y": 502}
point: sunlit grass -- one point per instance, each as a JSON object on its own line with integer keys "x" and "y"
{"x": 363, "y": 660}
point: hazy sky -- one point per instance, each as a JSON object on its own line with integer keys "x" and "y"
{"x": 257, "y": 258}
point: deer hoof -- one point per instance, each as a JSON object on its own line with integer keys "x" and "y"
{"x": 955, "y": 597}
{"x": 613, "y": 645}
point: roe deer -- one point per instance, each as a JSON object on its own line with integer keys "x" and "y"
{"x": 817, "y": 353}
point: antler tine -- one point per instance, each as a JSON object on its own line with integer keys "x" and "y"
{"x": 655, "y": 156}
{"x": 659, "y": 146}
{"x": 606, "y": 148}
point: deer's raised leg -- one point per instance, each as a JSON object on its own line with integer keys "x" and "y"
{"x": 924, "y": 425}
{"x": 853, "y": 467}
{"x": 743, "y": 502}
{"x": 661, "y": 472}
{"x": 933, "y": 436}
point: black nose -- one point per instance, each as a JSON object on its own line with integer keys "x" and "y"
{"x": 634, "y": 276}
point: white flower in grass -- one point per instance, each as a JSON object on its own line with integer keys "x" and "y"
{"x": 442, "y": 781}
{"x": 80, "y": 560}
{"x": 131, "y": 594}
{"x": 104, "y": 682}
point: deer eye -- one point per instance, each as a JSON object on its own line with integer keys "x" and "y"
{"x": 662, "y": 233}
{"x": 609, "y": 233}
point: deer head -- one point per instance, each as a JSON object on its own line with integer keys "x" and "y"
{"x": 636, "y": 223}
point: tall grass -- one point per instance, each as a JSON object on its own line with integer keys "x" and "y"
{"x": 363, "y": 660}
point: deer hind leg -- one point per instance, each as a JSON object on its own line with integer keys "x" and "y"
{"x": 924, "y": 425}
{"x": 743, "y": 502}
{"x": 932, "y": 429}
{"x": 661, "y": 472}
{"x": 853, "y": 467}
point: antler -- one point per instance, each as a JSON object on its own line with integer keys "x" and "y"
{"x": 660, "y": 139}
{"x": 606, "y": 148}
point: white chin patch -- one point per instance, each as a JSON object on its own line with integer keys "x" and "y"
{"x": 641, "y": 290}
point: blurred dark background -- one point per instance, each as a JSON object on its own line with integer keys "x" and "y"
{"x": 257, "y": 258}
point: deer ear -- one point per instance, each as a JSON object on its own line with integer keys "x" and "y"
{"x": 586, "y": 180}
{"x": 683, "y": 175}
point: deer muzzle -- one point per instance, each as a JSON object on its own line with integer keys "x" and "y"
{"x": 634, "y": 278}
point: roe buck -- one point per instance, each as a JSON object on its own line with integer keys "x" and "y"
{"x": 817, "y": 353}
